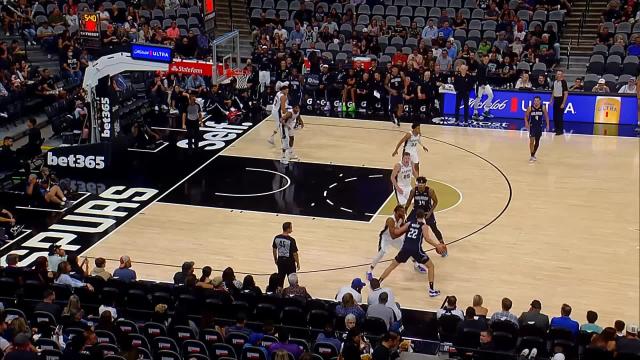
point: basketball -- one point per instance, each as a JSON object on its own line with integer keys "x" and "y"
{"x": 441, "y": 249}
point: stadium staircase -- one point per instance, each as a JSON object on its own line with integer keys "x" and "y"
{"x": 578, "y": 37}
{"x": 233, "y": 15}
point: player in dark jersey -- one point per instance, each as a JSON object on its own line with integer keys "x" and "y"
{"x": 424, "y": 197}
{"x": 285, "y": 251}
{"x": 395, "y": 84}
{"x": 412, "y": 248}
{"x": 533, "y": 122}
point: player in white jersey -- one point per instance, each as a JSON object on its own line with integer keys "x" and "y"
{"x": 411, "y": 140}
{"x": 282, "y": 88}
{"x": 293, "y": 123}
{"x": 392, "y": 235}
{"x": 401, "y": 178}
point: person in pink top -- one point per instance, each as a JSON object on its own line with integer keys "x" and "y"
{"x": 173, "y": 32}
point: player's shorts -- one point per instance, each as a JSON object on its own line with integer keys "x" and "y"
{"x": 402, "y": 198}
{"x": 385, "y": 243}
{"x": 394, "y": 101}
{"x": 405, "y": 253}
{"x": 535, "y": 132}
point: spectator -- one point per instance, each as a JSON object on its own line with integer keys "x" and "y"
{"x": 634, "y": 49}
{"x": 180, "y": 277}
{"x": 450, "y": 308}
{"x": 486, "y": 341}
{"x": 505, "y": 314}
{"x": 351, "y": 350}
{"x": 578, "y": 84}
{"x": 444, "y": 61}
{"x": 430, "y": 32}
{"x": 606, "y": 340}
{"x": 4, "y": 344}
{"x": 294, "y": 289}
{"x": 470, "y": 322}
{"x": 480, "y": 310}
{"x": 40, "y": 271}
{"x": 231, "y": 284}
{"x": 601, "y": 87}
{"x": 355, "y": 289}
{"x": 274, "y": 286}
{"x": 374, "y": 295}
{"x": 388, "y": 348}
{"x": 541, "y": 83}
{"x": 124, "y": 271}
{"x": 629, "y": 87}
{"x": 70, "y": 66}
{"x": 348, "y": 306}
{"x": 604, "y": 36}
{"x": 535, "y": 317}
{"x": 249, "y": 286}
{"x": 21, "y": 349}
{"x": 100, "y": 270}
{"x": 619, "y": 325}
{"x": 63, "y": 278}
{"x": 160, "y": 314}
{"x": 381, "y": 311}
{"x": 78, "y": 270}
{"x": 629, "y": 344}
{"x": 239, "y": 326}
{"x": 173, "y": 32}
{"x": 48, "y": 304}
{"x": 328, "y": 335}
{"x": 611, "y": 13}
{"x": 564, "y": 321}
{"x": 591, "y": 326}
{"x": 524, "y": 82}
{"x": 47, "y": 38}
{"x": 195, "y": 85}
{"x": 492, "y": 13}
{"x": 56, "y": 256}
{"x": 297, "y": 35}
{"x": 444, "y": 31}
{"x": 284, "y": 345}
{"x": 34, "y": 141}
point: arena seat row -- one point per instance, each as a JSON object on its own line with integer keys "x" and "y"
{"x": 623, "y": 27}
{"x": 613, "y": 64}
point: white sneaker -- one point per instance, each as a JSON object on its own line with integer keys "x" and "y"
{"x": 293, "y": 156}
{"x": 419, "y": 268}
{"x": 395, "y": 120}
{"x": 533, "y": 353}
{"x": 524, "y": 353}
{"x": 173, "y": 111}
{"x": 531, "y": 159}
{"x": 284, "y": 160}
{"x": 156, "y": 108}
{"x": 164, "y": 107}
{"x": 434, "y": 292}
{"x": 535, "y": 158}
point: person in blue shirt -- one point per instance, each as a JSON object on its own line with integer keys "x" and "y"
{"x": 634, "y": 49}
{"x": 445, "y": 31}
{"x": 564, "y": 321}
{"x": 124, "y": 272}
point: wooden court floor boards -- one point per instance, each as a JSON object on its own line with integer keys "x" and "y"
{"x": 569, "y": 232}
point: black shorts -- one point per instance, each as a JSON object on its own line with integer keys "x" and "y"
{"x": 405, "y": 253}
{"x": 394, "y": 101}
{"x": 431, "y": 220}
{"x": 535, "y": 132}
{"x": 286, "y": 266}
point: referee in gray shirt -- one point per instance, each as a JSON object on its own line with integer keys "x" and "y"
{"x": 191, "y": 121}
{"x": 559, "y": 95}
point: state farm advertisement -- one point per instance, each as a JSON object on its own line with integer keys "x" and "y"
{"x": 191, "y": 67}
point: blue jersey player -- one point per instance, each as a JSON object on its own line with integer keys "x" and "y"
{"x": 533, "y": 122}
{"x": 412, "y": 248}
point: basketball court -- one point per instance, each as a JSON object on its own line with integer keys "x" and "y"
{"x": 564, "y": 229}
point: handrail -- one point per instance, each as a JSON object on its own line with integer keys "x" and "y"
{"x": 569, "y": 52}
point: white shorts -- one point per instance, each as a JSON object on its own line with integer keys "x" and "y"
{"x": 386, "y": 243}
{"x": 402, "y": 198}
{"x": 414, "y": 156}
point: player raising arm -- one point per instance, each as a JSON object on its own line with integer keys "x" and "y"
{"x": 410, "y": 142}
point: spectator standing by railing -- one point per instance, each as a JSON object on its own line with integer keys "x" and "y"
{"x": 630, "y": 87}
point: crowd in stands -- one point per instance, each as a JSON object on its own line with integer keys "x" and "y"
{"x": 60, "y": 308}
{"x": 616, "y": 48}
